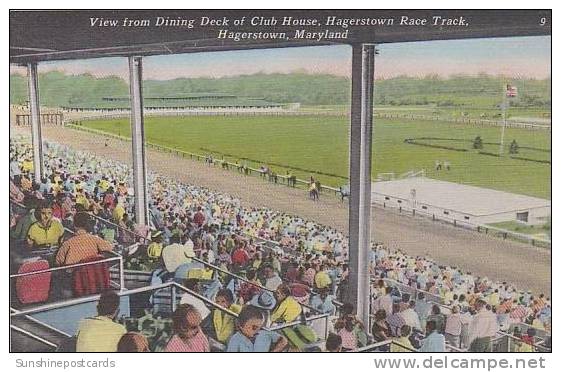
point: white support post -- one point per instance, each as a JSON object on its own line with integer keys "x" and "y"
{"x": 362, "y": 106}
{"x": 505, "y": 103}
{"x": 35, "y": 115}
{"x": 138, "y": 141}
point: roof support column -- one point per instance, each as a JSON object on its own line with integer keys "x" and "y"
{"x": 138, "y": 148}
{"x": 35, "y": 115}
{"x": 362, "y": 88}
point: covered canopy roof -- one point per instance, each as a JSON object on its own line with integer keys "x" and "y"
{"x": 59, "y": 35}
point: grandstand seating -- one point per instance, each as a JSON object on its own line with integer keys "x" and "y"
{"x": 298, "y": 250}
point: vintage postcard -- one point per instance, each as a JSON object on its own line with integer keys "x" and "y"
{"x": 281, "y": 181}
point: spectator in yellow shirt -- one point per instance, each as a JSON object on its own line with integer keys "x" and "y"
{"x": 101, "y": 333}
{"x": 118, "y": 213}
{"x": 27, "y": 166}
{"x": 537, "y": 324}
{"x": 322, "y": 279}
{"x": 58, "y": 187}
{"x": 224, "y": 324}
{"x": 104, "y": 184}
{"x": 405, "y": 345}
{"x": 494, "y": 298}
{"x": 47, "y": 230}
{"x": 82, "y": 199}
{"x": 288, "y": 309}
{"x": 155, "y": 248}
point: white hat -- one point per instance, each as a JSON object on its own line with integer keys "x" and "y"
{"x": 175, "y": 255}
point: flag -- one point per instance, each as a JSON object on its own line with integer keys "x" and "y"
{"x": 511, "y": 91}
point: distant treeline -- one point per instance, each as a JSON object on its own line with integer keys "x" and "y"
{"x": 58, "y": 89}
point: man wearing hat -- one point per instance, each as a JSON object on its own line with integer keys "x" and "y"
{"x": 265, "y": 301}
{"x": 197, "y": 303}
{"x": 177, "y": 254}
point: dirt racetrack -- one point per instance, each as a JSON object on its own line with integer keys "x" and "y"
{"x": 503, "y": 260}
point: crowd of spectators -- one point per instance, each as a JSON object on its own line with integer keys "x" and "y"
{"x": 304, "y": 269}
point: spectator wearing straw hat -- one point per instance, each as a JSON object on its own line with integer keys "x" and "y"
{"x": 177, "y": 254}
{"x": 264, "y": 300}
{"x": 154, "y": 249}
{"x": 196, "y": 302}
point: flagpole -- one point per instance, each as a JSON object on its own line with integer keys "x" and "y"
{"x": 504, "y": 121}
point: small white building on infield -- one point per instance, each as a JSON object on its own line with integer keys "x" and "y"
{"x": 449, "y": 200}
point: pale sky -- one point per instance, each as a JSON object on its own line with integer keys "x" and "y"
{"x": 515, "y": 56}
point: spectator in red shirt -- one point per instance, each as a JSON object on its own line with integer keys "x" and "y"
{"x": 58, "y": 211}
{"x": 199, "y": 218}
{"x": 240, "y": 257}
{"x": 109, "y": 198}
{"x": 293, "y": 273}
{"x": 528, "y": 338}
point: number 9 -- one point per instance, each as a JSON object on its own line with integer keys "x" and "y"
{"x": 543, "y": 21}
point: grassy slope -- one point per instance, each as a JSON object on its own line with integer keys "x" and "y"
{"x": 321, "y": 144}
{"x": 524, "y": 228}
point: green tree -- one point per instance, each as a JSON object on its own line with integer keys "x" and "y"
{"x": 478, "y": 143}
{"x": 513, "y": 148}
